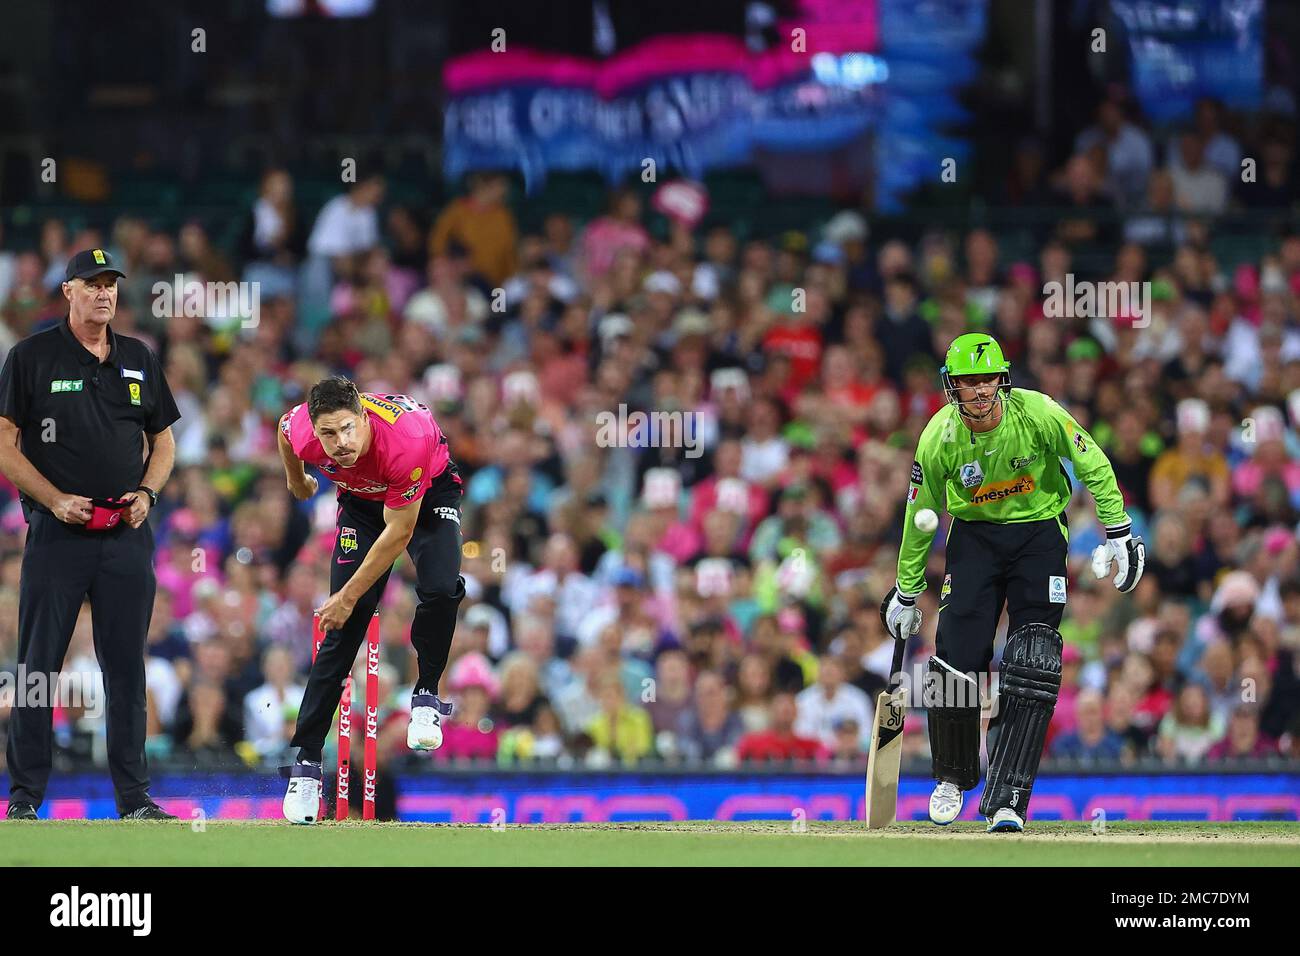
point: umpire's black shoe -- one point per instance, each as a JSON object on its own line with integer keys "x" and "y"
{"x": 150, "y": 811}
{"x": 20, "y": 811}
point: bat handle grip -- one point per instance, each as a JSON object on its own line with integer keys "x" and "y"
{"x": 895, "y": 669}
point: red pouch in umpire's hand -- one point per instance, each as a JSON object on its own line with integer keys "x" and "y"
{"x": 106, "y": 513}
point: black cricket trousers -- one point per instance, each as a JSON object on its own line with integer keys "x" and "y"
{"x": 435, "y": 551}
{"x": 988, "y": 565}
{"x": 63, "y": 565}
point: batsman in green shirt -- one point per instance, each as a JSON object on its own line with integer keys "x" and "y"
{"x": 993, "y": 459}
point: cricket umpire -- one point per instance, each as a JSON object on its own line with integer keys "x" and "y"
{"x": 85, "y": 434}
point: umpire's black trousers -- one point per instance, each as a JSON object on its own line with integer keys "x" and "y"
{"x": 63, "y": 565}
{"x": 435, "y": 551}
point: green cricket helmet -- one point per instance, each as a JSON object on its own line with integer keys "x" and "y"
{"x": 974, "y": 354}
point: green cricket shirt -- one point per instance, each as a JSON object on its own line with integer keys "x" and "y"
{"x": 1009, "y": 475}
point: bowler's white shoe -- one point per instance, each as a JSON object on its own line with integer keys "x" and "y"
{"x": 1006, "y": 820}
{"x": 302, "y": 799}
{"x": 945, "y": 803}
{"x": 424, "y": 732}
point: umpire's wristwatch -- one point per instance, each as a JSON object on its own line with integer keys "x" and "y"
{"x": 153, "y": 495}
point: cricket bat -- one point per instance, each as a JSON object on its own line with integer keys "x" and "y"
{"x": 886, "y": 748}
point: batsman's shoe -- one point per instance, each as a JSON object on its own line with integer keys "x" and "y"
{"x": 148, "y": 811}
{"x": 425, "y": 729}
{"x": 302, "y": 799}
{"x": 1006, "y": 820}
{"x": 21, "y": 811}
{"x": 945, "y": 803}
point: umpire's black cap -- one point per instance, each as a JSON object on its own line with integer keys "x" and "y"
{"x": 91, "y": 262}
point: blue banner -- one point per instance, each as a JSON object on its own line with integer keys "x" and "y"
{"x": 1182, "y": 50}
{"x": 524, "y": 797}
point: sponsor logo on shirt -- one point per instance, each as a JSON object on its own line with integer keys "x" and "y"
{"x": 972, "y": 475}
{"x": 363, "y": 489}
{"x": 388, "y": 411}
{"x": 912, "y": 493}
{"x": 1018, "y": 463}
{"x": 1002, "y": 489}
{"x": 918, "y": 478}
{"x": 66, "y": 385}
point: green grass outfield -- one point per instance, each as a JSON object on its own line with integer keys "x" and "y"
{"x": 695, "y": 843}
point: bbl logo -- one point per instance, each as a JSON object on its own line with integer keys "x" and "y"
{"x": 134, "y": 389}
{"x": 347, "y": 540}
{"x": 947, "y": 587}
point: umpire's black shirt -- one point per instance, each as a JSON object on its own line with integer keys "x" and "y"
{"x": 83, "y": 421}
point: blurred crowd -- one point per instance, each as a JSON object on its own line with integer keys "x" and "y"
{"x": 712, "y": 598}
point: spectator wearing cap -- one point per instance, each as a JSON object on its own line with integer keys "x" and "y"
{"x": 1191, "y": 459}
{"x": 471, "y": 733}
{"x": 727, "y": 491}
{"x": 797, "y": 514}
{"x": 1268, "y": 457}
{"x": 85, "y": 434}
{"x": 626, "y": 613}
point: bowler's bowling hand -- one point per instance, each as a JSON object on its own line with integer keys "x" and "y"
{"x": 139, "y": 510}
{"x": 305, "y": 489}
{"x": 72, "y": 509}
{"x": 335, "y": 612}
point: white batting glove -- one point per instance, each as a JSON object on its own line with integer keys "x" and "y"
{"x": 899, "y": 614}
{"x": 1128, "y": 553}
